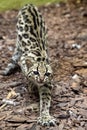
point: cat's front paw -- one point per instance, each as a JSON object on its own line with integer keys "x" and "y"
{"x": 47, "y": 121}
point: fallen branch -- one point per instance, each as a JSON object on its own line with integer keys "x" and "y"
{"x": 10, "y": 95}
{"x": 12, "y": 84}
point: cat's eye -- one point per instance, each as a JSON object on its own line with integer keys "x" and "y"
{"x": 47, "y": 74}
{"x": 36, "y": 72}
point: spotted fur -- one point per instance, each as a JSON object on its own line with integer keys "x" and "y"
{"x": 31, "y": 55}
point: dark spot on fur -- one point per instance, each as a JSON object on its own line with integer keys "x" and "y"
{"x": 26, "y": 49}
{"x": 23, "y": 12}
{"x": 34, "y": 19}
{"x": 44, "y": 94}
{"x": 32, "y": 39}
{"x": 21, "y": 28}
{"x": 23, "y": 9}
{"x": 43, "y": 59}
{"x": 29, "y": 42}
{"x": 17, "y": 27}
{"x": 20, "y": 22}
{"x": 26, "y": 28}
{"x": 25, "y": 16}
{"x": 47, "y": 60}
{"x": 39, "y": 59}
{"x": 37, "y": 53}
{"x": 25, "y": 36}
{"x": 43, "y": 44}
{"x": 23, "y": 43}
{"x": 26, "y": 19}
{"x": 32, "y": 31}
{"x": 20, "y": 37}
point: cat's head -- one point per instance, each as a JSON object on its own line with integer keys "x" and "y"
{"x": 40, "y": 72}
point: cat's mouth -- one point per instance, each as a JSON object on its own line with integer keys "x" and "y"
{"x": 40, "y": 82}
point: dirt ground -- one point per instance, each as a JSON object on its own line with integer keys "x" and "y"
{"x": 67, "y": 43}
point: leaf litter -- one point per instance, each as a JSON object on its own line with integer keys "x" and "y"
{"x": 67, "y": 44}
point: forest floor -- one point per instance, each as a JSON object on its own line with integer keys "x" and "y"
{"x": 67, "y": 43}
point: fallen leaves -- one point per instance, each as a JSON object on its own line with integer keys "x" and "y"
{"x": 67, "y": 43}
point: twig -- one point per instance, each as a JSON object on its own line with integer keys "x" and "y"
{"x": 12, "y": 84}
{"x": 10, "y": 95}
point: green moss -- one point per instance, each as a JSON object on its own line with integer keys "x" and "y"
{"x": 15, "y": 4}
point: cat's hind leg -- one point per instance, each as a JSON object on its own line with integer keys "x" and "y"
{"x": 13, "y": 66}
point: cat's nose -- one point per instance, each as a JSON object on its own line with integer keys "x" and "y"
{"x": 41, "y": 79}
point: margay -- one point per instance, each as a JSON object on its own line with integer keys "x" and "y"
{"x": 31, "y": 55}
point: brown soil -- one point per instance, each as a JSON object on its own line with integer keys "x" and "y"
{"x": 67, "y": 42}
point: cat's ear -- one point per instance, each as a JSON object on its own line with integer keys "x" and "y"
{"x": 28, "y": 63}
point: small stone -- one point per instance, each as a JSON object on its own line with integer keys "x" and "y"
{"x": 76, "y": 46}
{"x": 76, "y": 77}
{"x": 75, "y": 86}
{"x": 85, "y": 90}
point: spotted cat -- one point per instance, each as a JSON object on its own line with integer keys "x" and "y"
{"x": 32, "y": 56}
